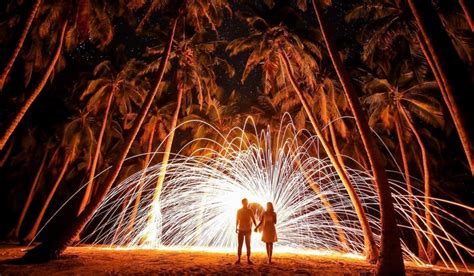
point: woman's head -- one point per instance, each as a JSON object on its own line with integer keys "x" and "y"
{"x": 270, "y": 207}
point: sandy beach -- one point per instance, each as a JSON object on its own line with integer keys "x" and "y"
{"x": 87, "y": 260}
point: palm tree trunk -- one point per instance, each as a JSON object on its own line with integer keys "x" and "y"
{"x": 155, "y": 209}
{"x": 468, "y": 9}
{"x": 26, "y": 105}
{"x": 406, "y": 169}
{"x": 335, "y": 145}
{"x": 88, "y": 192}
{"x": 426, "y": 180}
{"x": 370, "y": 245}
{"x": 169, "y": 144}
{"x": 7, "y": 154}
{"x": 32, "y": 234}
{"x": 142, "y": 179}
{"x": 54, "y": 246}
{"x": 434, "y": 70}
{"x": 454, "y": 75}
{"x": 326, "y": 203}
{"x": 19, "y": 44}
{"x": 29, "y": 199}
{"x": 390, "y": 260}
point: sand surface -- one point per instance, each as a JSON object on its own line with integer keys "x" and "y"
{"x": 86, "y": 260}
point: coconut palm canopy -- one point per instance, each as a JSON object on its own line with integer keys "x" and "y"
{"x": 95, "y": 94}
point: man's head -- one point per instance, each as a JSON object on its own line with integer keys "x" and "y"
{"x": 245, "y": 202}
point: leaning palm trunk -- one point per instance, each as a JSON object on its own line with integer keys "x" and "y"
{"x": 19, "y": 44}
{"x": 335, "y": 145}
{"x": 26, "y": 105}
{"x": 434, "y": 70}
{"x": 452, "y": 72}
{"x": 142, "y": 179}
{"x": 406, "y": 170}
{"x": 29, "y": 199}
{"x": 326, "y": 203}
{"x": 370, "y": 245}
{"x": 169, "y": 144}
{"x": 468, "y": 9}
{"x": 54, "y": 246}
{"x": 32, "y": 234}
{"x": 155, "y": 209}
{"x": 390, "y": 260}
{"x": 7, "y": 153}
{"x": 426, "y": 180}
{"x": 90, "y": 183}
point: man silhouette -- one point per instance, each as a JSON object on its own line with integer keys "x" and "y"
{"x": 243, "y": 228}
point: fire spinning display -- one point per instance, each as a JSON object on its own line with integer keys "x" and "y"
{"x": 197, "y": 203}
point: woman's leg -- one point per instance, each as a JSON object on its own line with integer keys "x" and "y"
{"x": 271, "y": 251}
{"x": 267, "y": 246}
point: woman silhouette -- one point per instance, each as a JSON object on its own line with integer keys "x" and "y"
{"x": 269, "y": 235}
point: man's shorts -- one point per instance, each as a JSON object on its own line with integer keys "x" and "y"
{"x": 245, "y": 234}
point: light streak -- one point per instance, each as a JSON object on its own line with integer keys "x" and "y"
{"x": 202, "y": 191}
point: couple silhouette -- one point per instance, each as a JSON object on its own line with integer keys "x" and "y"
{"x": 245, "y": 220}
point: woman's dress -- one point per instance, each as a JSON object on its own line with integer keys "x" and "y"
{"x": 269, "y": 232}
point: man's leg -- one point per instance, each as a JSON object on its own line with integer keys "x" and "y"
{"x": 248, "y": 236}
{"x": 240, "y": 238}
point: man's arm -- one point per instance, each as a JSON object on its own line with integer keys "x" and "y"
{"x": 237, "y": 222}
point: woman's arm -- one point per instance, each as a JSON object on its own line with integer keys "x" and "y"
{"x": 260, "y": 223}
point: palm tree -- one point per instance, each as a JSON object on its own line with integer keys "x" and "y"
{"x": 19, "y": 44}
{"x": 389, "y": 37}
{"x": 393, "y": 21}
{"x": 368, "y": 236}
{"x": 30, "y": 145}
{"x": 96, "y": 26}
{"x": 195, "y": 61}
{"x": 390, "y": 259}
{"x": 197, "y": 13}
{"x": 153, "y": 128}
{"x": 53, "y": 247}
{"x": 29, "y": 101}
{"x": 153, "y": 7}
{"x": 220, "y": 115}
{"x": 15, "y": 233}
{"x": 468, "y": 9}
{"x": 78, "y": 139}
{"x": 108, "y": 87}
{"x": 455, "y": 78}
{"x": 270, "y": 47}
{"x": 278, "y": 102}
{"x": 396, "y": 105}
